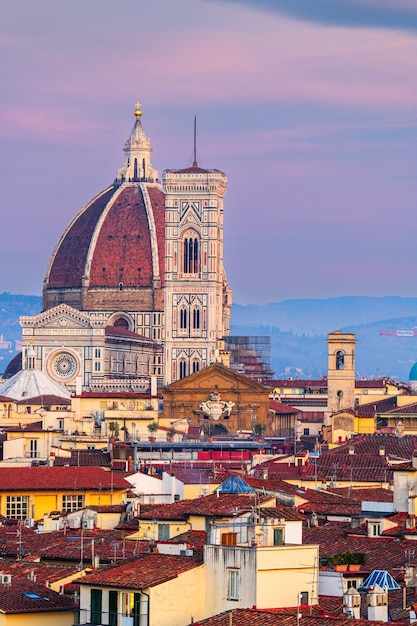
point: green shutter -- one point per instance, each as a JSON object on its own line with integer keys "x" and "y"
{"x": 96, "y": 606}
{"x": 278, "y": 536}
{"x": 112, "y": 608}
{"x": 163, "y": 532}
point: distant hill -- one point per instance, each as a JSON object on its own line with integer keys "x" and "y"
{"x": 12, "y": 306}
{"x": 298, "y": 330}
{"x": 320, "y": 317}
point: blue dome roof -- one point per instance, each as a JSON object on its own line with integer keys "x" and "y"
{"x": 235, "y": 484}
{"x": 413, "y": 373}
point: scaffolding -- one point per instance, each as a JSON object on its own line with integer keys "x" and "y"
{"x": 250, "y": 356}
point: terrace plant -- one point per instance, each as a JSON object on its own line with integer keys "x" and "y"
{"x": 348, "y": 558}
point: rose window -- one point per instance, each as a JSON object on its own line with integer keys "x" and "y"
{"x": 64, "y": 365}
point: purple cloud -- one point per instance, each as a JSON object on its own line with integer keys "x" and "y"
{"x": 389, "y": 14}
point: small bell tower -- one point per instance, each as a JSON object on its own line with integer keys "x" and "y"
{"x": 340, "y": 373}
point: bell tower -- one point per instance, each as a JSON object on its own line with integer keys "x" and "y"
{"x": 197, "y": 300}
{"x": 340, "y": 373}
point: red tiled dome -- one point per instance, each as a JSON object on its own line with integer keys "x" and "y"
{"x": 112, "y": 251}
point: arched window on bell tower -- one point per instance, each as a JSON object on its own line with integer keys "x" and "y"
{"x": 340, "y": 360}
{"x": 191, "y": 253}
{"x": 196, "y": 318}
{"x": 183, "y": 318}
{"x": 183, "y": 368}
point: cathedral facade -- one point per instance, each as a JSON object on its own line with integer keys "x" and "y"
{"x": 135, "y": 290}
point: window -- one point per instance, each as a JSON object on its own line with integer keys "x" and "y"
{"x": 163, "y": 532}
{"x": 196, "y": 366}
{"x": 72, "y": 502}
{"x": 121, "y": 322}
{"x": 97, "y": 366}
{"x": 17, "y": 507}
{"x": 196, "y": 319}
{"x": 352, "y": 583}
{"x": 375, "y": 530}
{"x": 278, "y": 536}
{"x": 183, "y": 369}
{"x": 97, "y": 353}
{"x": 340, "y": 360}
{"x": 233, "y": 585}
{"x": 183, "y": 318}
{"x": 33, "y": 448}
{"x": 191, "y": 255}
{"x": 130, "y": 605}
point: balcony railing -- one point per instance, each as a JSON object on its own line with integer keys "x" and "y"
{"x": 86, "y": 617}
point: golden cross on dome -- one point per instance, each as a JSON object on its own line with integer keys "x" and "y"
{"x": 138, "y": 110}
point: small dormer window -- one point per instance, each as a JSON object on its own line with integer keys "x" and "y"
{"x": 374, "y": 529}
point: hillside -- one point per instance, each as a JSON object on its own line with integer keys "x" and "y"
{"x": 12, "y": 306}
{"x": 298, "y": 330}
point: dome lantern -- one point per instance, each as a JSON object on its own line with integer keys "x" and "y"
{"x": 137, "y": 165}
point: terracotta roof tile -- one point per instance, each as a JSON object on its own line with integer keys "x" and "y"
{"x": 311, "y": 616}
{"x": 65, "y": 545}
{"x": 374, "y": 494}
{"x": 366, "y": 462}
{"x": 281, "y": 408}
{"x": 47, "y": 478}
{"x": 148, "y": 571}
{"x": 119, "y": 331}
{"x": 83, "y": 458}
{"x": 15, "y": 598}
{"x": 33, "y": 427}
{"x": 46, "y": 400}
{"x": 212, "y": 505}
{"x": 381, "y": 552}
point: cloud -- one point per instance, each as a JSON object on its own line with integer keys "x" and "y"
{"x": 385, "y": 14}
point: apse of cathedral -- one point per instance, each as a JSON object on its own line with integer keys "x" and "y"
{"x": 135, "y": 293}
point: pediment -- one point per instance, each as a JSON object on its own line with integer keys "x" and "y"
{"x": 59, "y": 317}
{"x": 216, "y": 376}
{"x": 189, "y": 219}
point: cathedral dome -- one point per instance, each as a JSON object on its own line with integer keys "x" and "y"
{"x": 111, "y": 256}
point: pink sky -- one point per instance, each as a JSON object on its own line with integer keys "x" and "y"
{"x": 311, "y": 116}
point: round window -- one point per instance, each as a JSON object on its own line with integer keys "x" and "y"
{"x": 65, "y": 365}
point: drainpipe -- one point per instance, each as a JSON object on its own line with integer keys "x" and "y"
{"x": 149, "y": 604}
{"x": 135, "y": 458}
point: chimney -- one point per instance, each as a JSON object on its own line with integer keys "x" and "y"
{"x": 377, "y": 600}
{"x": 352, "y": 603}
